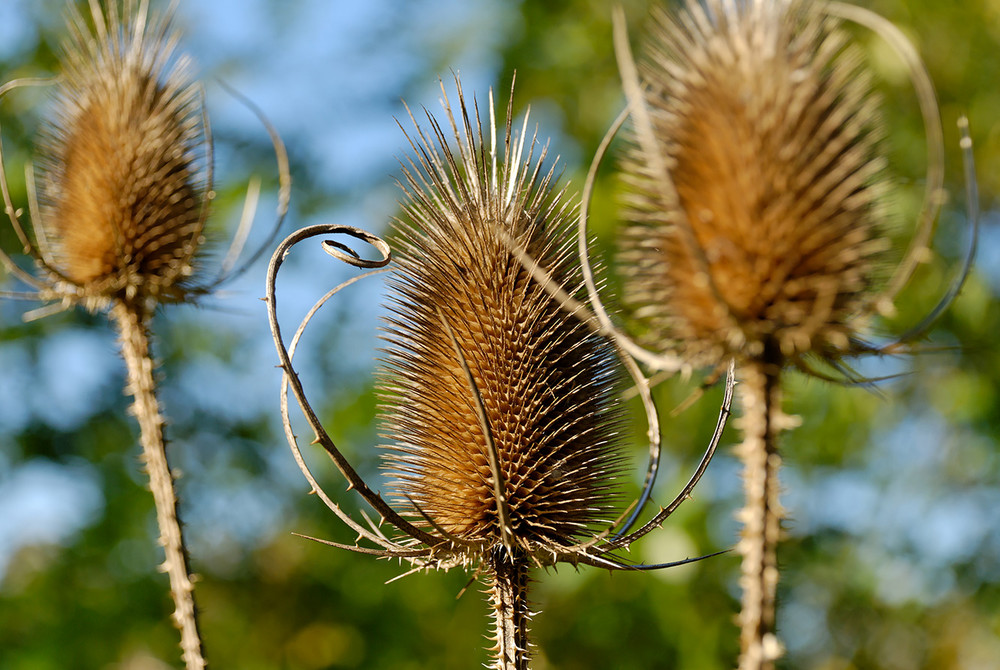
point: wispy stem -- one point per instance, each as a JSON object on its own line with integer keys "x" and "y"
{"x": 762, "y": 422}
{"x": 131, "y": 321}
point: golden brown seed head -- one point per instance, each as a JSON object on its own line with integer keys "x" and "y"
{"x": 122, "y": 177}
{"x": 546, "y": 383}
{"x": 764, "y": 227}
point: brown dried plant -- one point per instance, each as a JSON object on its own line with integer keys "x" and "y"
{"x": 502, "y": 407}
{"x": 125, "y": 183}
{"x": 763, "y": 243}
{"x": 758, "y": 226}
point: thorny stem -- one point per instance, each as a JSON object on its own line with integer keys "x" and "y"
{"x": 131, "y": 321}
{"x": 762, "y": 422}
{"x": 509, "y": 598}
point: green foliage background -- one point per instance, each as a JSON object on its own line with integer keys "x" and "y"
{"x": 893, "y": 555}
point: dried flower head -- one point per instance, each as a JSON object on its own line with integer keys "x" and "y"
{"x": 124, "y": 171}
{"x": 123, "y": 180}
{"x": 759, "y": 221}
{"x": 538, "y": 397}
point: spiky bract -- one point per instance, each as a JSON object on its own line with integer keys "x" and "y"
{"x": 123, "y": 177}
{"x": 755, "y": 199}
{"x": 546, "y": 382}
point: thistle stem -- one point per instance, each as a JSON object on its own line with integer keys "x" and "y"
{"x": 509, "y": 597}
{"x": 761, "y": 424}
{"x": 131, "y": 321}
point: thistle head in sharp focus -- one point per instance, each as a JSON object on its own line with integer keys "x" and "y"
{"x": 124, "y": 177}
{"x": 499, "y": 404}
{"x": 762, "y": 227}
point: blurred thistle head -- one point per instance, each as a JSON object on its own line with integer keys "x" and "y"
{"x": 123, "y": 179}
{"x": 500, "y": 404}
{"x": 125, "y": 166}
{"x": 757, "y": 185}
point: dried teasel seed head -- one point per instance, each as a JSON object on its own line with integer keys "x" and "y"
{"x": 123, "y": 180}
{"x": 546, "y": 383}
{"x": 756, "y": 197}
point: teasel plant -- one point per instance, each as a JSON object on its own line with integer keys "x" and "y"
{"x": 758, "y": 225}
{"x": 124, "y": 187}
{"x": 501, "y": 405}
